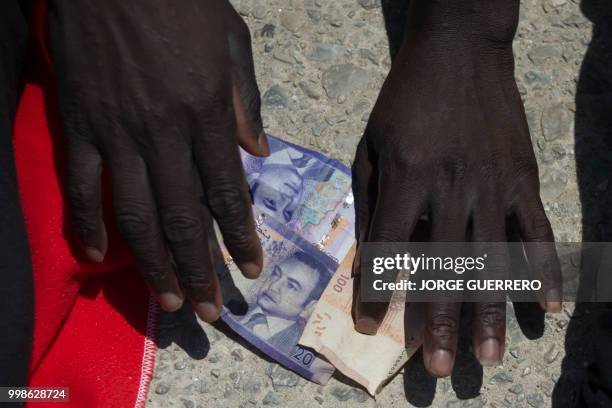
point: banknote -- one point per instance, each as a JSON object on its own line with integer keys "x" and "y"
{"x": 304, "y": 214}
{"x": 369, "y": 360}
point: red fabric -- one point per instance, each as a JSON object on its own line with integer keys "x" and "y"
{"x": 90, "y": 319}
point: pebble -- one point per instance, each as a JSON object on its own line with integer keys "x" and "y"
{"x": 180, "y": 365}
{"x": 293, "y": 20}
{"x": 237, "y": 355}
{"x": 553, "y": 182}
{"x": 556, "y": 122}
{"x": 526, "y": 372}
{"x": 319, "y": 399}
{"x": 281, "y": 377}
{"x": 326, "y": 52}
{"x": 342, "y": 393}
{"x": 162, "y": 388}
{"x": 215, "y": 373}
{"x": 369, "y": 4}
{"x": 552, "y": 354}
{"x": 501, "y": 377}
{"x": 540, "y": 54}
{"x": 187, "y": 403}
{"x": 272, "y": 399}
{"x": 275, "y": 97}
{"x": 344, "y": 79}
{"x": 535, "y": 400}
{"x": 310, "y": 90}
{"x": 516, "y": 388}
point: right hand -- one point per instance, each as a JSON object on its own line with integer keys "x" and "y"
{"x": 164, "y": 93}
{"x": 448, "y": 140}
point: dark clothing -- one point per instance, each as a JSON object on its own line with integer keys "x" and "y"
{"x": 16, "y": 290}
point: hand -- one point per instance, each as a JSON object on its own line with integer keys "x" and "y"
{"x": 448, "y": 140}
{"x": 164, "y": 93}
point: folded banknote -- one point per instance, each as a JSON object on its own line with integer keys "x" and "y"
{"x": 303, "y": 206}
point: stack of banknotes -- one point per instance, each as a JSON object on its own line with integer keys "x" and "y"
{"x": 299, "y": 311}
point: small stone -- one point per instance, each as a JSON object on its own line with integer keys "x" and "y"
{"x": 341, "y": 393}
{"x": 275, "y": 97}
{"x": 558, "y": 3}
{"x": 180, "y": 365}
{"x": 326, "y": 52}
{"x": 368, "y": 55}
{"x": 516, "y": 388}
{"x": 526, "y": 372}
{"x": 215, "y": 373}
{"x": 515, "y": 352}
{"x": 293, "y": 20}
{"x": 229, "y": 391}
{"x": 259, "y": 9}
{"x": 187, "y": 403}
{"x": 553, "y": 183}
{"x": 562, "y": 323}
{"x": 344, "y": 79}
{"x": 237, "y": 355}
{"x": 281, "y": 377}
{"x": 501, "y": 377}
{"x": 552, "y": 354}
{"x": 360, "y": 395}
{"x": 271, "y": 398}
{"x": 369, "y": 4}
{"x": 556, "y": 122}
{"x": 539, "y": 55}
{"x": 319, "y": 399}
{"x": 535, "y": 400}
{"x": 201, "y": 386}
{"x": 162, "y": 388}
{"x": 251, "y": 386}
{"x": 314, "y": 14}
{"x": 318, "y": 128}
{"x": 268, "y": 30}
{"x": 310, "y": 90}
{"x": 214, "y": 358}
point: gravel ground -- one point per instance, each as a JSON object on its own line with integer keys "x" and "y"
{"x": 320, "y": 65}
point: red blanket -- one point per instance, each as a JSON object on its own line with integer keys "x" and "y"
{"x": 94, "y": 323}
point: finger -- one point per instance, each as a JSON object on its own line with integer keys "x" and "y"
{"x": 539, "y": 240}
{"x": 398, "y": 208}
{"x": 245, "y": 93}
{"x": 365, "y": 187}
{"x": 184, "y": 225}
{"x": 138, "y": 222}
{"x": 226, "y": 192}
{"x": 84, "y": 197}
{"x": 440, "y": 338}
{"x": 489, "y": 323}
{"x": 449, "y": 217}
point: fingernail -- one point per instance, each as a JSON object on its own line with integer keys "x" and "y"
{"x": 441, "y": 363}
{"x": 366, "y": 325}
{"x": 553, "y": 301}
{"x": 250, "y": 269}
{"x": 489, "y": 353}
{"x": 262, "y": 141}
{"x": 170, "y": 302}
{"x": 207, "y": 311}
{"x": 94, "y": 255}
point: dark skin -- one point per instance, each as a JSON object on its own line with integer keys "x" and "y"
{"x": 165, "y": 95}
{"x": 447, "y": 139}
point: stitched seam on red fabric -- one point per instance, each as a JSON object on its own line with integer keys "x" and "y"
{"x": 148, "y": 356}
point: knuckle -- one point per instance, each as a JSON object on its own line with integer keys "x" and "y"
{"x": 180, "y": 225}
{"x": 82, "y": 196}
{"x": 492, "y": 315}
{"x": 443, "y": 325}
{"x": 135, "y": 221}
{"x": 154, "y": 273}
